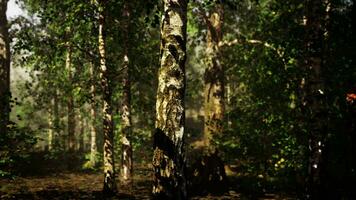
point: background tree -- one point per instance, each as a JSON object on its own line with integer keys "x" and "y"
{"x": 108, "y": 131}
{"x": 93, "y": 113}
{"x": 126, "y": 127}
{"x": 70, "y": 102}
{"x": 4, "y": 69}
{"x": 314, "y": 88}
{"x": 209, "y": 172}
{"x": 265, "y": 131}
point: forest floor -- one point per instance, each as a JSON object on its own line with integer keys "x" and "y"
{"x": 80, "y": 185}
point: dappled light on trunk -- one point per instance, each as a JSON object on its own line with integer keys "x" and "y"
{"x": 207, "y": 172}
{"x": 178, "y": 99}
{"x": 168, "y": 162}
{"x": 126, "y": 169}
{"x": 108, "y": 129}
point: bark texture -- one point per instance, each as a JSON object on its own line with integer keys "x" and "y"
{"x": 56, "y": 122}
{"x": 213, "y": 78}
{"x": 126, "y": 124}
{"x": 51, "y": 119}
{"x": 70, "y": 102}
{"x": 50, "y": 131}
{"x": 168, "y": 159}
{"x": 314, "y": 99}
{"x": 4, "y": 69}
{"x": 81, "y": 121}
{"x": 93, "y": 133}
{"x": 208, "y": 172}
{"x": 109, "y": 170}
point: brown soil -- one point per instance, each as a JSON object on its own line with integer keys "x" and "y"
{"x": 70, "y": 186}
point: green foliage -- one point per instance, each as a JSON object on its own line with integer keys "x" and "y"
{"x": 15, "y": 149}
{"x": 40, "y": 48}
{"x": 266, "y": 131}
{"x": 92, "y": 164}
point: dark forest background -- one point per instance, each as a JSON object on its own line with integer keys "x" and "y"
{"x": 287, "y": 69}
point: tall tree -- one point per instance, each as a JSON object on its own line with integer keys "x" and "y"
{"x": 314, "y": 87}
{"x": 56, "y": 121}
{"x": 109, "y": 169}
{"x": 4, "y": 69}
{"x": 213, "y": 77}
{"x": 50, "y": 127}
{"x": 210, "y": 172}
{"x": 168, "y": 157}
{"x": 81, "y": 133}
{"x": 70, "y": 101}
{"x": 126, "y": 124}
{"x": 93, "y": 115}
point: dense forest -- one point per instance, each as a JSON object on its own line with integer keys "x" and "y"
{"x": 178, "y": 99}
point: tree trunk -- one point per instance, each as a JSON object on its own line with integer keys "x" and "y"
{"x": 214, "y": 79}
{"x": 209, "y": 172}
{"x": 70, "y": 102}
{"x": 93, "y": 145}
{"x": 126, "y": 125}
{"x": 314, "y": 99}
{"x": 81, "y": 132}
{"x": 53, "y": 123}
{"x": 4, "y": 69}
{"x": 109, "y": 170}
{"x": 56, "y": 121}
{"x": 50, "y": 127}
{"x": 85, "y": 135}
{"x": 168, "y": 157}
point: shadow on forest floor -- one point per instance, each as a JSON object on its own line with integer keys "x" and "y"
{"x": 89, "y": 185}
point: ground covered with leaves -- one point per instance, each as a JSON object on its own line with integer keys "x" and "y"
{"x": 88, "y": 185}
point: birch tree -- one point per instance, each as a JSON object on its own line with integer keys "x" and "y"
{"x": 109, "y": 169}
{"x": 126, "y": 123}
{"x": 168, "y": 159}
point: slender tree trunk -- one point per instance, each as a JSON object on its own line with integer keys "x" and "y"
{"x": 228, "y": 103}
{"x": 168, "y": 157}
{"x": 209, "y": 172}
{"x": 353, "y": 111}
{"x": 213, "y": 78}
{"x": 81, "y": 132}
{"x": 70, "y": 102}
{"x": 126, "y": 125}
{"x": 56, "y": 120}
{"x": 314, "y": 97}
{"x": 62, "y": 123}
{"x": 4, "y": 69}
{"x": 109, "y": 170}
{"x": 50, "y": 127}
{"x": 85, "y": 135}
{"x": 93, "y": 145}
{"x": 53, "y": 123}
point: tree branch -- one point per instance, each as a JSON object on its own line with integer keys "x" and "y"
{"x": 87, "y": 52}
{"x": 278, "y": 51}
